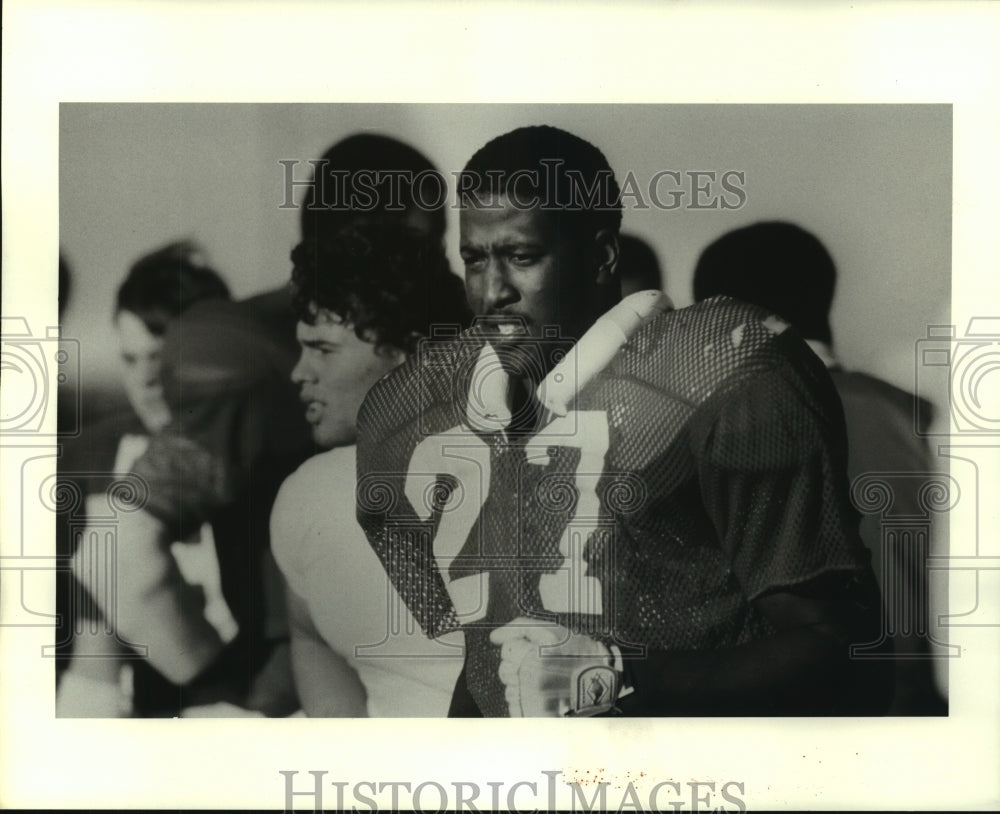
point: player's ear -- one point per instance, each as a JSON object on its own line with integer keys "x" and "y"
{"x": 392, "y": 355}
{"x": 604, "y": 260}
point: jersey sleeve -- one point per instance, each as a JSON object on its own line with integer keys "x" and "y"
{"x": 771, "y": 453}
{"x": 412, "y": 403}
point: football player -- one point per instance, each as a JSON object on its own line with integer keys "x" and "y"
{"x": 625, "y": 507}
{"x": 365, "y": 295}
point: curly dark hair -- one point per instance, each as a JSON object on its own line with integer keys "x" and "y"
{"x": 162, "y": 284}
{"x": 390, "y": 283}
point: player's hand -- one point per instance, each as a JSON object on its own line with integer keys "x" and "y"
{"x": 540, "y": 664}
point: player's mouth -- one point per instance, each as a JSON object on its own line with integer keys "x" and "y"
{"x": 498, "y": 328}
{"x": 314, "y": 411}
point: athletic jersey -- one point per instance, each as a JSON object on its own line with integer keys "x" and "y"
{"x": 700, "y": 468}
{"x": 327, "y": 561}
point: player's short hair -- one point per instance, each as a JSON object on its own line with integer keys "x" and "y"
{"x": 166, "y": 282}
{"x": 389, "y": 177}
{"x": 562, "y": 173}
{"x": 777, "y": 265}
{"x": 389, "y": 282}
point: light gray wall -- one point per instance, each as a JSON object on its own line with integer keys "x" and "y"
{"x": 872, "y": 181}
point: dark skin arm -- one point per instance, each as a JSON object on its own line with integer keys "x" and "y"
{"x": 805, "y": 668}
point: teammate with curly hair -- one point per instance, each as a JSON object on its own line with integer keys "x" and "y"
{"x": 365, "y": 295}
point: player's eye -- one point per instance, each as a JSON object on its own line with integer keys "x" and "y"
{"x": 472, "y": 261}
{"x": 524, "y": 258}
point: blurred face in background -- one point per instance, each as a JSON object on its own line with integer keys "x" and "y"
{"x": 334, "y": 372}
{"x": 140, "y": 355}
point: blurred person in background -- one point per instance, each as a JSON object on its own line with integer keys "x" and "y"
{"x": 234, "y": 433}
{"x": 639, "y": 266}
{"x": 786, "y": 269}
{"x": 159, "y": 287}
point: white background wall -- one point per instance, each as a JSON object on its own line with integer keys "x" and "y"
{"x": 872, "y": 181}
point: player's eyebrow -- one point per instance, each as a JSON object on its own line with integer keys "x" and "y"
{"x": 318, "y": 343}
{"x": 521, "y": 243}
{"x": 504, "y": 245}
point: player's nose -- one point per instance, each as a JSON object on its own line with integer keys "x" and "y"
{"x": 498, "y": 290}
{"x": 300, "y": 373}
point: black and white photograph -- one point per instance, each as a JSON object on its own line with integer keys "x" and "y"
{"x": 347, "y": 419}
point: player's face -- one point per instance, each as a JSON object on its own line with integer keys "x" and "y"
{"x": 140, "y": 355}
{"x": 522, "y": 273}
{"x": 334, "y": 372}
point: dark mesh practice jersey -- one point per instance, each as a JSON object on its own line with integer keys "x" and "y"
{"x": 702, "y": 468}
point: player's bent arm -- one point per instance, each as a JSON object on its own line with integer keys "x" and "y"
{"x": 153, "y": 605}
{"x": 328, "y": 686}
{"x": 804, "y": 668}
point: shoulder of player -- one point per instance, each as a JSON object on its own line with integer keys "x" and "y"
{"x": 713, "y": 342}
{"x": 324, "y": 471}
{"x": 718, "y": 317}
{"x": 427, "y": 377}
{"x": 321, "y": 486}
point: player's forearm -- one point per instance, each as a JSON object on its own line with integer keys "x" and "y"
{"x": 168, "y": 619}
{"x": 327, "y": 685}
{"x": 804, "y": 671}
{"x": 149, "y": 603}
